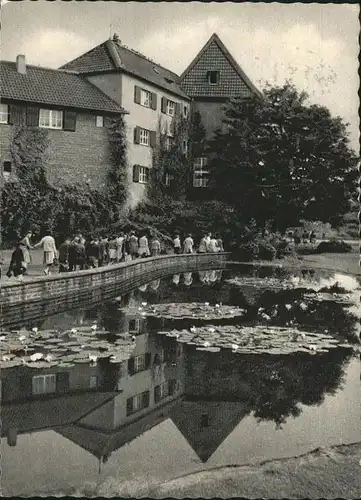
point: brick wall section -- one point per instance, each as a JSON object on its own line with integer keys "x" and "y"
{"x": 43, "y": 295}
{"x": 71, "y": 157}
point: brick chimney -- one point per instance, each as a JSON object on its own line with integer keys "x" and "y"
{"x": 21, "y": 64}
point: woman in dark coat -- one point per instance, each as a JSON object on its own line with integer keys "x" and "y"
{"x": 17, "y": 265}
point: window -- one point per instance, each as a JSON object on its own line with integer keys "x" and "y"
{"x": 170, "y": 108}
{"x": 137, "y": 403}
{"x": 144, "y": 137}
{"x": 51, "y": 118}
{"x": 44, "y": 384}
{"x": 213, "y": 77}
{"x": 168, "y": 142}
{"x": 93, "y": 382}
{"x": 100, "y": 121}
{"x": 140, "y": 363}
{"x": 167, "y": 179}
{"x": 143, "y": 175}
{"x": 7, "y": 167}
{"x": 4, "y": 113}
{"x": 199, "y": 171}
{"x": 164, "y": 390}
{"x": 145, "y": 98}
{"x": 185, "y": 111}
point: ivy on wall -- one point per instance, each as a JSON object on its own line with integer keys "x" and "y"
{"x": 32, "y": 203}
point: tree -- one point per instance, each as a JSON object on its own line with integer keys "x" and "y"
{"x": 280, "y": 159}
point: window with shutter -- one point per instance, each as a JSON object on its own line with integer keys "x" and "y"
{"x": 129, "y": 406}
{"x": 62, "y": 382}
{"x": 131, "y": 366}
{"x": 145, "y": 399}
{"x": 153, "y": 139}
{"x": 16, "y": 115}
{"x": 137, "y": 92}
{"x": 136, "y": 170}
{"x": 32, "y": 116}
{"x": 177, "y": 109}
{"x": 69, "y": 120}
{"x": 25, "y": 387}
{"x": 4, "y": 113}
{"x": 137, "y": 135}
{"x": 144, "y": 137}
{"x": 164, "y": 105}
{"x": 171, "y": 108}
{"x": 154, "y": 100}
{"x": 147, "y": 360}
{"x": 156, "y": 393}
{"x": 171, "y": 386}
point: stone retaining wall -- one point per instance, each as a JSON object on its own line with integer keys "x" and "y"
{"x": 48, "y": 295}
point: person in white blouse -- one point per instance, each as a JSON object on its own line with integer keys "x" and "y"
{"x": 50, "y": 252}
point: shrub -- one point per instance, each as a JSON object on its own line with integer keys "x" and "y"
{"x": 284, "y": 249}
{"x": 266, "y": 251}
{"x": 334, "y": 246}
{"x": 246, "y": 252}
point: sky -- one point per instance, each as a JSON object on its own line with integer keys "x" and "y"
{"x": 313, "y": 45}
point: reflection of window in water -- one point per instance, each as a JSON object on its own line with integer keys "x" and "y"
{"x": 204, "y": 420}
{"x": 44, "y": 384}
{"x": 137, "y": 403}
{"x": 159, "y": 357}
{"x": 93, "y": 382}
{"x": 134, "y": 325}
{"x": 140, "y": 363}
{"x": 164, "y": 390}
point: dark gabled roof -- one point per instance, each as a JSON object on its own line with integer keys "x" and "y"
{"x": 53, "y": 87}
{"x": 112, "y": 56}
{"x": 215, "y": 56}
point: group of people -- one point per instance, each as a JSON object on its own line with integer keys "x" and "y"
{"x": 77, "y": 253}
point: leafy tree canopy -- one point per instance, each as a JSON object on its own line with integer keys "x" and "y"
{"x": 280, "y": 159}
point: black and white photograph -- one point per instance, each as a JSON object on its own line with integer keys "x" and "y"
{"x": 180, "y": 273}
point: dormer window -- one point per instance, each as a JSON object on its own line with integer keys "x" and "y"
{"x": 213, "y": 77}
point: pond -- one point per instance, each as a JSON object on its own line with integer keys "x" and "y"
{"x": 189, "y": 373}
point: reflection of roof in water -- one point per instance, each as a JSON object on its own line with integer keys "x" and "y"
{"x": 42, "y": 414}
{"x": 223, "y": 417}
{"x": 102, "y": 443}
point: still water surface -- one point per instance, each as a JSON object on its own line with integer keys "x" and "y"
{"x": 225, "y": 409}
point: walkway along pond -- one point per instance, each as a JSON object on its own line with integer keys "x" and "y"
{"x": 47, "y": 295}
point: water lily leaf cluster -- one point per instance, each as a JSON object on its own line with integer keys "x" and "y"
{"x": 191, "y": 310}
{"x": 256, "y": 339}
{"x": 47, "y": 348}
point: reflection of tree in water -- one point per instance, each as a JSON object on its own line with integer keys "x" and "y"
{"x": 281, "y": 386}
{"x": 319, "y": 315}
{"x": 273, "y": 386}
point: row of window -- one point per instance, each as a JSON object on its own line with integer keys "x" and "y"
{"x": 149, "y": 100}
{"x": 145, "y": 137}
{"x": 141, "y": 401}
{"x": 47, "y": 118}
{"x": 46, "y": 384}
{"x": 142, "y": 362}
{"x": 200, "y": 174}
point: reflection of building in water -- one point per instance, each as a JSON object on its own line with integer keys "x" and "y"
{"x": 101, "y": 407}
